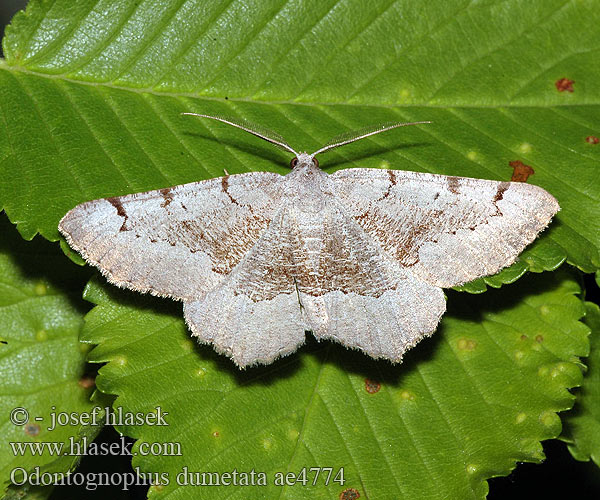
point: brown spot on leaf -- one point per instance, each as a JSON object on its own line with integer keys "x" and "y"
{"x": 372, "y": 386}
{"x": 116, "y": 202}
{"x": 524, "y": 337}
{"x": 349, "y": 494}
{"x": 564, "y": 85}
{"x": 87, "y": 382}
{"x": 32, "y": 429}
{"x": 539, "y": 338}
{"x": 521, "y": 172}
{"x": 592, "y": 139}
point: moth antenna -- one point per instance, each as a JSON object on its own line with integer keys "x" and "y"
{"x": 257, "y": 130}
{"x": 357, "y": 135}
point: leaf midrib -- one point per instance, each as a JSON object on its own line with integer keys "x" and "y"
{"x": 272, "y": 102}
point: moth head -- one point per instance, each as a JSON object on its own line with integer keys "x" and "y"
{"x": 301, "y": 159}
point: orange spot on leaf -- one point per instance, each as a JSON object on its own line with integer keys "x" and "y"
{"x": 349, "y": 494}
{"x": 592, "y": 139}
{"x": 87, "y": 382}
{"x": 564, "y": 85}
{"x": 372, "y": 386}
{"x": 521, "y": 172}
{"x": 32, "y": 429}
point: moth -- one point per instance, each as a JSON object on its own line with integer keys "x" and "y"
{"x": 359, "y": 256}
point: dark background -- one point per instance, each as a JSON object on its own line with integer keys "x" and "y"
{"x": 7, "y": 10}
{"x": 559, "y": 476}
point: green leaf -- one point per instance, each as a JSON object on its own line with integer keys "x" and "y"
{"x": 93, "y": 91}
{"x": 29, "y": 492}
{"x": 465, "y": 406}
{"x": 582, "y": 424}
{"x": 41, "y": 360}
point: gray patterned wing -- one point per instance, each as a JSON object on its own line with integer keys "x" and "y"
{"x": 353, "y": 292}
{"x": 447, "y": 230}
{"x": 254, "y": 316}
{"x": 178, "y": 242}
